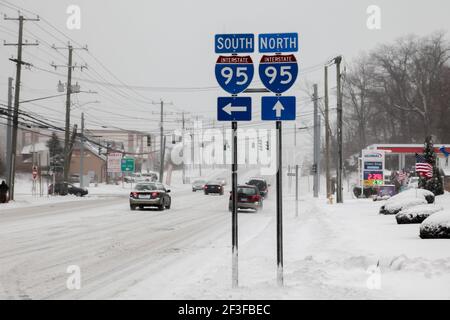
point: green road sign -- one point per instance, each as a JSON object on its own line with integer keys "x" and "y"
{"x": 127, "y": 165}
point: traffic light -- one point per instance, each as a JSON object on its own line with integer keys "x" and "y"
{"x": 149, "y": 141}
{"x": 260, "y": 145}
{"x": 267, "y": 145}
{"x": 314, "y": 168}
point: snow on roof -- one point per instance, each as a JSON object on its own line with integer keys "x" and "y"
{"x": 37, "y": 147}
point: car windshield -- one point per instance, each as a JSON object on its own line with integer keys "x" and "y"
{"x": 246, "y": 191}
{"x": 259, "y": 183}
{"x": 145, "y": 187}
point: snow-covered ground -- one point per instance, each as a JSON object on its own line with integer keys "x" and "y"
{"x": 330, "y": 251}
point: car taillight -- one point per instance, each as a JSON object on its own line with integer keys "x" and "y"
{"x": 133, "y": 194}
{"x": 155, "y": 194}
{"x": 255, "y": 198}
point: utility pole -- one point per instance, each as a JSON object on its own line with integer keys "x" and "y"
{"x": 70, "y": 67}
{"x": 82, "y": 152}
{"x": 162, "y": 143}
{"x": 327, "y": 136}
{"x": 339, "y": 169}
{"x": 316, "y": 187}
{"x": 19, "y": 62}
{"x": 9, "y": 127}
{"x": 184, "y": 165}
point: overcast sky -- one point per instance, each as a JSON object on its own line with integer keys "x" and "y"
{"x": 166, "y": 43}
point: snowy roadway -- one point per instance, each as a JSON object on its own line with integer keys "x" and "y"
{"x": 184, "y": 252}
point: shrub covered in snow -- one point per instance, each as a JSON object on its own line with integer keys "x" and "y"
{"x": 417, "y": 214}
{"x": 392, "y": 204}
{"x": 394, "y": 207}
{"x": 415, "y": 193}
{"x": 436, "y": 226}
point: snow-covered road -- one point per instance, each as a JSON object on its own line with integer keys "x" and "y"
{"x": 185, "y": 252}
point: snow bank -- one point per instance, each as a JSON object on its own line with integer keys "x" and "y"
{"x": 394, "y": 207}
{"x": 436, "y": 226}
{"x": 417, "y": 214}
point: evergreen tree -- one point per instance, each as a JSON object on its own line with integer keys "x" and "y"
{"x": 435, "y": 183}
{"x": 56, "y": 151}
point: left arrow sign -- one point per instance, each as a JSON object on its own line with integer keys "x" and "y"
{"x": 234, "y": 109}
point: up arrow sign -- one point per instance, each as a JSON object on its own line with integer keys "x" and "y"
{"x": 230, "y": 109}
{"x": 278, "y": 107}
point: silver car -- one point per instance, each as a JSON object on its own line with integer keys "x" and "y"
{"x": 150, "y": 194}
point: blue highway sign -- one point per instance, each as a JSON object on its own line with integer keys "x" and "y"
{"x": 234, "y": 73}
{"x": 278, "y": 108}
{"x": 278, "y": 72}
{"x": 234, "y": 43}
{"x": 278, "y": 42}
{"x": 234, "y": 109}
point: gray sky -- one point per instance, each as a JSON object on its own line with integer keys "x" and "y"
{"x": 171, "y": 44}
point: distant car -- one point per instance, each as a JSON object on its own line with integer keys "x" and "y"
{"x": 248, "y": 197}
{"x": 198, "y": 185}
{"x": 150, "y": 194}
{"x": 213, "y": 187}
{"x": 262, "y": 185}
{"x": 133, "y": 177}
{"x": 221, "y": 180}
{"x": 149, "y": 177}
{"x": 69, "y": 188}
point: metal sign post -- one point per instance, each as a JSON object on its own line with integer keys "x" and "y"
{"x": 234, "y": 74}
{"x": 279, "y": 207}
{"x": 234, "y": 219}
{"x": 296, "y": 190}
{"x": 278, "y": 73}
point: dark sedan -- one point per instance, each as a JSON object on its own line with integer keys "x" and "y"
{"x": 64, "y": 189}
{"x": 213, "y": 187}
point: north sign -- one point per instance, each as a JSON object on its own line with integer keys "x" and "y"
{"x": 278, "y": 42}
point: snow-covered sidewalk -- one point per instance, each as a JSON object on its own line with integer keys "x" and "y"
{"x": 340, "y": 251}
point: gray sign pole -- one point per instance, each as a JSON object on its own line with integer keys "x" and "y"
{"x": 234, "y": 216}
{"x": 279, "y": 207}
{"x": 296, "y": 190}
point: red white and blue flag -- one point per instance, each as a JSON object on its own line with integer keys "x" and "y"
{"x": 423, "y": 168}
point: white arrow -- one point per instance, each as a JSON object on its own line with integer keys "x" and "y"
{"x": 278, "y": 107}
{"x": 229, "y": 108}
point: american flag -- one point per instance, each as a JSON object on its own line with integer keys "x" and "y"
{"x": 423, "y": 168}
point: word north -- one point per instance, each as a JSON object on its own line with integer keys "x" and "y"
{"x": 189, "y": 310}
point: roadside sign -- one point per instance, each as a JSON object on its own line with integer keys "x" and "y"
{"x": 278, "y": 42}
{"x": 114, "y": 162}
{"x": 278, "y": 72}
{"x": 234, "y": 109}
{"x": 234, "y": 73}
{"x": 234, "y": 43}
{"x": 373, "y": 162}
{"x": 278, "y": 108}
{"x": 127, "y": 165}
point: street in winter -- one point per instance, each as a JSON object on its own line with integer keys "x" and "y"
{"x": 192, "y": 150}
